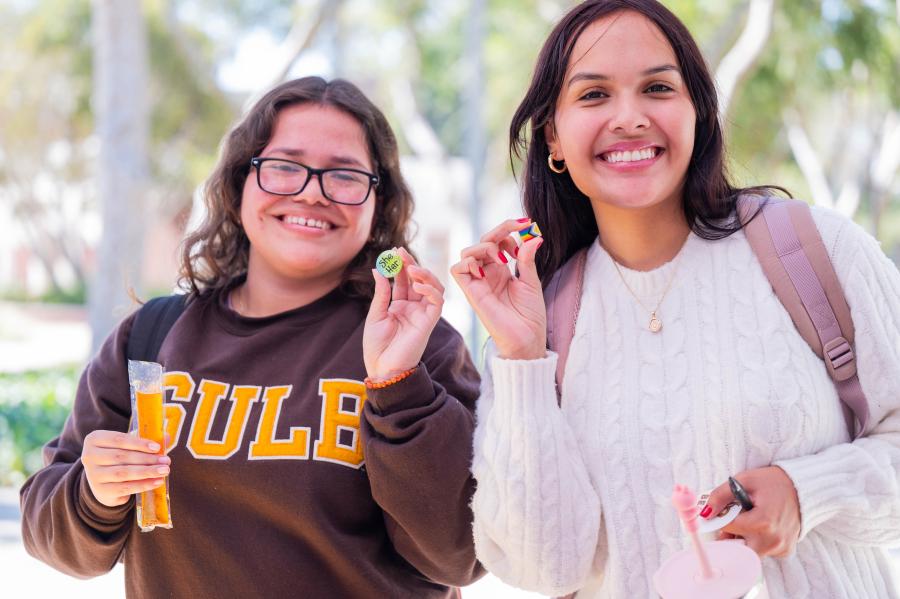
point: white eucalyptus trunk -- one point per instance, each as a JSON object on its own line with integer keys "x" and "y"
{"x": 737, "y": 63}
{"x": 120, "y": 107}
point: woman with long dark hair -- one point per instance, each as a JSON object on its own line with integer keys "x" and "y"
{"x": 684, "y": 366}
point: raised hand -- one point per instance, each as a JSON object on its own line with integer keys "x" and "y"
{"x": 510, "y": 308}
{"x": 118, "y": 465}
{"x": 401, "y": 319}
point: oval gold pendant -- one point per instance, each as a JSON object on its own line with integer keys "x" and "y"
{"x": 655, "y": 324}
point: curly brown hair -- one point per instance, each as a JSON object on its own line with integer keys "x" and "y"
{"x": 217, "y": 251}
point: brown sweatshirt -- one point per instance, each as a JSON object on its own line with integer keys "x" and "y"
{"x": 288, "y": 478}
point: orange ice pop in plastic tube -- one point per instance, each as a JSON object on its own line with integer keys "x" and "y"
{"x": 148, "y": 422}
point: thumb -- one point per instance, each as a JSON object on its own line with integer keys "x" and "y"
{"x": 526, "y": 265}
{"x": 381, "y": 299}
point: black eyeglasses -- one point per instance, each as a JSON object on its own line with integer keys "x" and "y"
{"x": 287, "y": 178}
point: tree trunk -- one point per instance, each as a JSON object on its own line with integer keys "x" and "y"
{"x": 808, "y": 161}
{"x": 299, "y": 39}
{"x": 474, "y": 129}
{"x": 884, "y": 166}
{"x": 121, "y": 122}
{"x": 736, "y": 64}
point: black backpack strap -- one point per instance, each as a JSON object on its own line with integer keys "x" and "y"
{"x": 151, "y": 325}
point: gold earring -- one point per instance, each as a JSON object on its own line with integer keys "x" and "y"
{"x": 553, "y": 167}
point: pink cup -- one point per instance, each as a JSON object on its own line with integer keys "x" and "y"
{"x": 736, "y": 574}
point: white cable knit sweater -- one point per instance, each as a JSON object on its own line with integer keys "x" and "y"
{"x": 579, "y": 497}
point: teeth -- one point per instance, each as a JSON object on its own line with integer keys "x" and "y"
{"x": 307, "y": 222}
{"x": 634, "y": 156}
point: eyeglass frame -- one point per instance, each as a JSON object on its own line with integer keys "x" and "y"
{"x": 311, "y": 172}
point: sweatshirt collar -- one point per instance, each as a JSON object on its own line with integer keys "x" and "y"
{"x": 298, "y": 317}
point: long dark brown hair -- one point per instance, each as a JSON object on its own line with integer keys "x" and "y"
{"x": 218, "y": 250}
{"x": 553, "y": 201}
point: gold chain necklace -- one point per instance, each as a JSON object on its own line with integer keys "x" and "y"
{"x": 655, "y": 324}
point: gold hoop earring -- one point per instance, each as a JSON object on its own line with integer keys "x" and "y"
{"x": 553, "y": 167}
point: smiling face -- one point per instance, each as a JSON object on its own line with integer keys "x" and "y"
{"x": 306, "y": 236}
{"x": 624, "y": 122}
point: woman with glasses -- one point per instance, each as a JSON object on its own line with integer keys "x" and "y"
{"x": 323, "y": 414}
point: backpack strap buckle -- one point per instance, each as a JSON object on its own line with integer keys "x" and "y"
{"x": 839, "y": 359}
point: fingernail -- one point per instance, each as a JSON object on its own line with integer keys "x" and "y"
{"x": 153, "y": 446}
{"x": 163, "y": 469}
{"x": 706, "y": 512}
{"x": 539, "y": 243}
{"x": 516, "y": 252}
{"x": 502, "y": 258}
{"x": 523, "y": 220}
{"x": 164, "y": 460}
{"x": 481, "y": 270}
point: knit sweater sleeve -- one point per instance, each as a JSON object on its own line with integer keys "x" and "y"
{"x": 851, "y": 491}
{"x": 537, "y": 515}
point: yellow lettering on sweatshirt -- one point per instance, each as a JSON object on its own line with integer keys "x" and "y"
{"x": 211, "y": 392}
{"x": 339, "y": 440}
{"x": 266, "y": 446}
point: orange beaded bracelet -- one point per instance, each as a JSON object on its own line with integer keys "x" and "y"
{"x": 370, "y": 384}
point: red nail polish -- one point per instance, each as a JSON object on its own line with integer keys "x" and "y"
{"x": 706, "y": 512}
{"x": 481, "y": 270}
{"x": 516, "y": 252}
{"x": 502, "y": 258}
{"x": 523, "y": 220}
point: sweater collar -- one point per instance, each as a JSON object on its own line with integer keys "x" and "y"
{"x": 649, "y": 284}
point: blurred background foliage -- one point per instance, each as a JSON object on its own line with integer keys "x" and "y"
{"x": 816, "y": 109}
{"x": 33, "y": 407}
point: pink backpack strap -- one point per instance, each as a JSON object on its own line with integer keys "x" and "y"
{"x": 790, "y": 250}
{"x": 562, "y": 297}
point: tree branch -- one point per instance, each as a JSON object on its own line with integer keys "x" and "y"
{"x": 887, "y": 160}
{"x": 298, "y": 40}
{"x": 809, "y": 163}
{"x": 746, "y": 50}
{"x": 719, "y": 41}
{"x": 422, "y": 139}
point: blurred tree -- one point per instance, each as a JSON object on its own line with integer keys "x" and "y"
{"x": 45, "y": 113}
{"x": 813, "y": 102}
{"x": 122, "y": 122}
{"x": 821, "y": 112}
{"x": 742, "y": 56}
{"x": 48, "y": 148}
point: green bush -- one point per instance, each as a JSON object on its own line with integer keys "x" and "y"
{"x": 33, "y": 407}
{"x": 72, "y": 295}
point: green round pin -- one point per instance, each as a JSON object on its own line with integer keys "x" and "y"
{"x": 389, "y": 263}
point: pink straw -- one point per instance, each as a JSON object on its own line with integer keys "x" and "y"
{"x": 685, "y": 502}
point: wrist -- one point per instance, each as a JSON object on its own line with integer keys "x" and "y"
{"x": 522, "y": 353}
{"x": 378, "y": 374}
{"x": 98, "y": 512}
{"x": 380, "y": 380}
